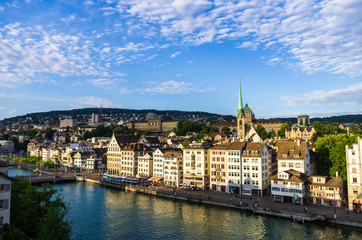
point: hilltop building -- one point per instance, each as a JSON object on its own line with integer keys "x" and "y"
{"x": 303, "y": 120}
{"x": 153, "y": 124}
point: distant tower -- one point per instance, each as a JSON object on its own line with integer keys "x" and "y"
{"x": 240, "y": 117}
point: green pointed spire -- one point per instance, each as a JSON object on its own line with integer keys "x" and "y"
{"x": 240, "y": 107}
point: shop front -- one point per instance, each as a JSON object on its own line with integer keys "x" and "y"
{"x": 356, "y": 205}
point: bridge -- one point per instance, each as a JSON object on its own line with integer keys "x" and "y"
{"x": 50, "y": 179}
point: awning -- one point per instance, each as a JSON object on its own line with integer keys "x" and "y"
{"x": 155, "y": 179}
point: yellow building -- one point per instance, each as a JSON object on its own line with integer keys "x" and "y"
{"x": 304, "y": 133}
{"x": 153, "y": 125}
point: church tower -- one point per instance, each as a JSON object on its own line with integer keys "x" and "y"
{"x": 240, "y": 118}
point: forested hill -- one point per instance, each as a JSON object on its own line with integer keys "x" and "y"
{"x": 334, "y": 119}
{"x": 85, "y": 113}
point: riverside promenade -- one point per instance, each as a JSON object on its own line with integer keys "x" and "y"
{"x": 258, "y": 205}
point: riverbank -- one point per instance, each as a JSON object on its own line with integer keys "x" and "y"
{"x": 257, "y": 205}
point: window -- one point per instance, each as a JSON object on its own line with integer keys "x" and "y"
{"x": 354, "y": 170}
{"x": 4, "y": 203}
{"x": 354, "y": 180}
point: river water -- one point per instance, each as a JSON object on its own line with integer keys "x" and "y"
{"x": 101, "y": 213}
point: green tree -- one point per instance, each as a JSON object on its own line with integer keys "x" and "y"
{"x": 281, "y": 132}
{"x": 260, "y": 130}
{"x": 332, "y": 154}
{"x": 318, "y": 128}
{"x": 213, "y": 130}
{"x": 39, "y": 138}
{"x": 226, "y": 130}
{"x": 40, "y": 212}
{"x": 49, "y": 133}
{"x": 185, "y": 143}
{"x": 354, "y": 129}
{"x": 301, "y": 122}
{"x": 314, "y": 137}
{"x": 31, "y": 133}
{"x": 271, "y": 134}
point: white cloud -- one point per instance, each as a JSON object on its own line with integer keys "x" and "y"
{"x": 274, "y": 61}
{"x": 1, "y": 107}
{"x": 175, "y": 54}
{"x": 96, "y": 101}
{"x": 350, "y": 95}
{"x": 318, "y": 35}
{"x": 69, "y": 19}
{"x": 88, "y": 2}
{"x": 171, "y": 87}
{"x": 28, "y": 54}
{"x": 105, "y": 82}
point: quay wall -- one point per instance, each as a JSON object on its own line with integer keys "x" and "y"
{"x": 281, "y": 214}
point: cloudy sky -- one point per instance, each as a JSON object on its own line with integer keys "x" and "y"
{"x": 293, "y": 57}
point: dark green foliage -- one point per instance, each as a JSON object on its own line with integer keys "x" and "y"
{"x": 331, "y": 151}
{"x": 314, "y": 137}
{"x": 35, "y": 161}
{"x": 31, "y": 133}
{"x": 107, "y": 131}
{"x": 49, "y": 133}
{"x": 260, "y": 130}
{"x": 184, "y": 127}
{"x": 226, "y": 130}
{"x": 271, "y": 134}
{"x": 281, "y": 132}
{"x": 39, "y": 211}
{"x": 185, "y": 143}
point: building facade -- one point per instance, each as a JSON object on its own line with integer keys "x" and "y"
{"x": 255, "y": 169}
{"x": 234, "y": 167}
{"x": 218, "y": 168}
{"x": 173, "y": 173}
{"x": 293, "y": 155}
{"x": 354, "y": 175}
{"x": 196, "y": 166}
{"x": 304, "y": 133}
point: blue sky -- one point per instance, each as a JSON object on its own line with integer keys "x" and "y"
{"x": 293, "y": 57}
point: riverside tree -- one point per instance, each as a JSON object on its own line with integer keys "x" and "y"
{"x": 40, "y": 212}
{"x": 331, "y": 151}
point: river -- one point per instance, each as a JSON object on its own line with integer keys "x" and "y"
{"x": 101, "y": 213}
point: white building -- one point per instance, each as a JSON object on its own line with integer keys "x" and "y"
{"x": 255, "y": 160}
{"x": 5, "y": 194}
{"x": 172, "y": 173}
{"x": 293, "y": 155}
{"x": 234, "y": 167}
{"x": 145, "y": 166}
{"x": 288, "y": 186}
{"x": 196, "y": 166}
{"x": 158, "y": 163}
{"x": 354, "y": 174}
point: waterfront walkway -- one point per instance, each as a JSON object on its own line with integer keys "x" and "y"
{"x": 261, "y": 205}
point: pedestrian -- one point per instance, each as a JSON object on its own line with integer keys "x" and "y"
{"x": 305, "y": 210}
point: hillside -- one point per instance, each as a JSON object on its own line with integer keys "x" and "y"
{"x": 117, "y": 114}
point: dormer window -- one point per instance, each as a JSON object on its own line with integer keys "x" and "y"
{"x": 284, "y": 155}
{"x": 296, "y": 155}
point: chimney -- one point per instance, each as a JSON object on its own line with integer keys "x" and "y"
{"x": 336, "y": 173}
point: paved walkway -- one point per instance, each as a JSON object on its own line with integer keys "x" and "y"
{"x": 264, "y": 202}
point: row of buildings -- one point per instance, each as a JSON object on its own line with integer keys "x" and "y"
{"x": 283, "y": 169}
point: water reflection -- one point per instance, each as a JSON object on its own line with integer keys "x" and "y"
{"x": 101, "y": 213}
